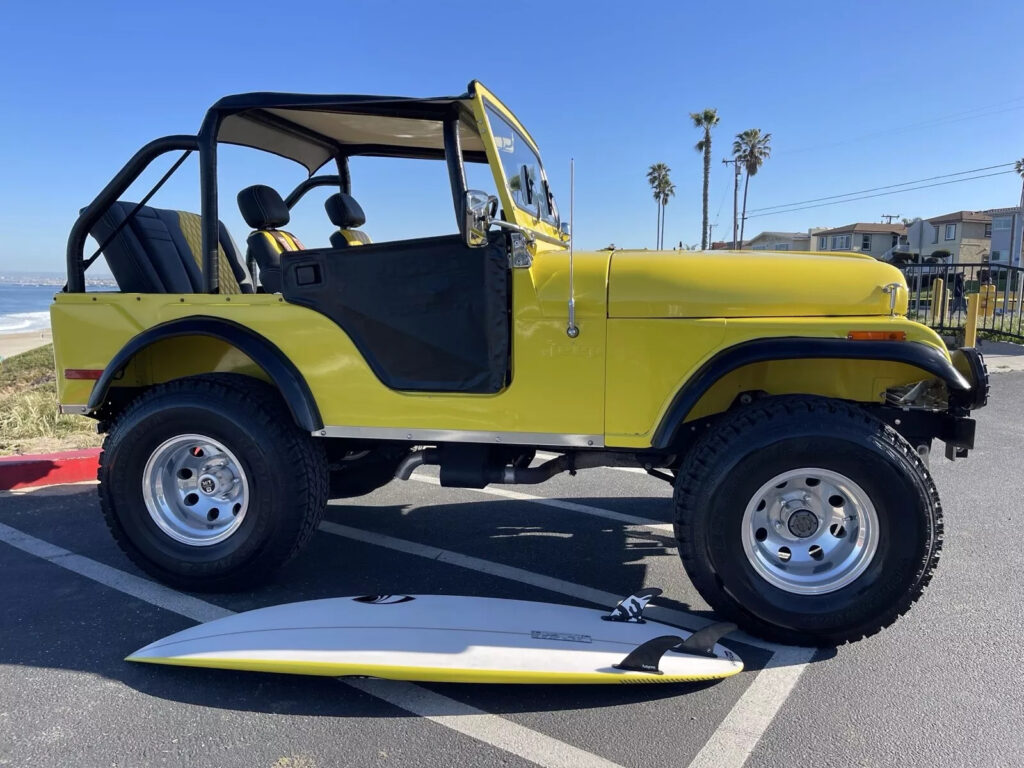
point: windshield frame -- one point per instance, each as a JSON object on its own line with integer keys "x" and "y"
{"x": 548, "y": 228}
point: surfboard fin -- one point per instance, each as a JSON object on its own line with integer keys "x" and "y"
{"x": 631, "y": 608}
{"x": 702, "y": 642}
{"x": 645, "y": 657}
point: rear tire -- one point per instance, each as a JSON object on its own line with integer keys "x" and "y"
{"x": 207, "y": 484}
{"x": 807, "y": 521}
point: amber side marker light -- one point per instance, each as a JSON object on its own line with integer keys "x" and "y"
{"x": 82, "y": 373}
{"x": 877, "y": 335}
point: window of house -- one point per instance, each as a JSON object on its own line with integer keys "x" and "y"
{"x": 951, "y": 231}
{"x": 823, "y": 243}
{"x": 935, "y": 234}
{"x": 997, "y": 255}
{"x": 865, "y": 242}
{"x": 895, "y": 240}
{"x": 988, "y": 230}
{"x": 1002, "y": 223}
{"x": 782, "y": 246}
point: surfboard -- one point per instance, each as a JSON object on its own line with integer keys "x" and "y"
{"x": 443, "y": 638}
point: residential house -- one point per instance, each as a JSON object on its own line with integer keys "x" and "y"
{"x": 781, "y": 241}
{"x": 862, "y": 237}
{"x": 965, "y": 235}
{"x": 1007, "y": 235}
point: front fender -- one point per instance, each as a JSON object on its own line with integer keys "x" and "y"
{"x": 922, "y": 356}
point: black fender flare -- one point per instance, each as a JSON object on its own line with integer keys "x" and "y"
{"x": 921, "y": 356}
{"x": 264, "y": 353}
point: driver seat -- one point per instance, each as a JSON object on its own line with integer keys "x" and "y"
{"x": 264, "y": 210}
{"x": 346, "y": 214}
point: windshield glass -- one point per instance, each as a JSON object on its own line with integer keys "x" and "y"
{"x": 526, "y": 180}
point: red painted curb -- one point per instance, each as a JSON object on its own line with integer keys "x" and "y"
{"x": 48, "y": 468}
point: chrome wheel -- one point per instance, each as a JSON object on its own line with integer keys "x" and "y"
{"x": 195, "y": 490}
{"x": 810, "y": 531}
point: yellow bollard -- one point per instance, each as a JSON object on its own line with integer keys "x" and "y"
{"x": 988, "y": 298}
{"x": 938, "y": 313}
{"x": 971, "y": 328}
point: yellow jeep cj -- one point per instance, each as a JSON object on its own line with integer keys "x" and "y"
{"x": 786, "y": 396}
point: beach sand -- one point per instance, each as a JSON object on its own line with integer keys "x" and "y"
{"x": 15, "y": 343}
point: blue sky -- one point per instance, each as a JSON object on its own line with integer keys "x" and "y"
{"x": 856, "y": 95}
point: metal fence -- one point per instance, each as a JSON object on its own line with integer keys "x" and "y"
{"x": 940, "y": 294}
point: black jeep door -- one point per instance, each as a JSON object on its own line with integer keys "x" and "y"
{"x": 429, "y": 315}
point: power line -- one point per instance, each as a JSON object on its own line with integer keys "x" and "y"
{"x": 877, "y": 189}
{"x": 880, "y": 194}
{"x": 988, "y": 110}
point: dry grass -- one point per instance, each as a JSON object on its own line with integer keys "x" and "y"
{"x": 29, "y": 422}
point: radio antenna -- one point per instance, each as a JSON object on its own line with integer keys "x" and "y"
{"x": 572, "y": 330}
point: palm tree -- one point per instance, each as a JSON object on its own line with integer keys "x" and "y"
{"x": 658, "y": 178}
{"x": 707, "y": 120}
{"x": 1019, "y": 168}
{"x": 751, "y": 148}
{"x": 667, "y": 189}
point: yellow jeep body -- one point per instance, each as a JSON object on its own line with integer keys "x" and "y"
{"x": 647, "y": 322}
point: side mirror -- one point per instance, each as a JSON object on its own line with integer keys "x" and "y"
{"x": 565, "y": 229}
{"x": 478, "y": 211}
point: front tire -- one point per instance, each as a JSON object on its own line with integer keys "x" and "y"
{"x": 807, "y": 521}
{"x": 207, "y": 484}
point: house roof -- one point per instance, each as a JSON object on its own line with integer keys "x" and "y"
{"x": 949, "y": 218}
{"x": 866, "y": 228}
{"x": 781, "y": 236}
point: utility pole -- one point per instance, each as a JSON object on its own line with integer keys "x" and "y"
{"x": 735, "y": 195}
{"x": 889, "y": 217}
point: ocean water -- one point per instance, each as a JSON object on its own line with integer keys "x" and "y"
{"x": 25, "y": 307}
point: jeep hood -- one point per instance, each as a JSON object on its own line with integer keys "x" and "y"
{"x": 749, "y": 284}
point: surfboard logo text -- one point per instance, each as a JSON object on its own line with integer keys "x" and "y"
{"x": 568, "y": 637}
{"x": 383, "y": 599}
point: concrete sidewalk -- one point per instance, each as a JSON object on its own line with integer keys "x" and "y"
{"x": 1001, "y": 356}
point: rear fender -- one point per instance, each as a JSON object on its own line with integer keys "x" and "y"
{"x": 269, "y": 359}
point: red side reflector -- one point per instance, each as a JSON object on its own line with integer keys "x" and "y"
{"x": 82, "y": 373}
{"x": 877, "y": 335}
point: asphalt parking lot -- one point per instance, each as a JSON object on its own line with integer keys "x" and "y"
{"x": 939, "y": 688}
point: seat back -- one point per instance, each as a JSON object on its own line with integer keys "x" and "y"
{"x": 160, "y": 251}
{"x": 264, "y": 210}
{"x": 346, "y": 214}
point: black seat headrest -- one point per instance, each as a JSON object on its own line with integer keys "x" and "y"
{"x": 344, "y": 212}
{"x": 262, "y": 207}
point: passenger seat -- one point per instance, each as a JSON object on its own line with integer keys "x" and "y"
{"x": 346, "y": 214}
{"x": 264, "y": 210}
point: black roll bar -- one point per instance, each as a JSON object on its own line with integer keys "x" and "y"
{"x": 313, "y": 182}
{"x": 108, "y": 196}
{"x": 207, "y": 140}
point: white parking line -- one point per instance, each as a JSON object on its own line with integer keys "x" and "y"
{"x": 490, "y": 729}
{"x": 644, "y": 522}
{"x": 738, "y": 734}
{"x": 477, "y": 724}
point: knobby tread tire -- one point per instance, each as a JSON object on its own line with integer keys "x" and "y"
{"x": 261, "y": 408}
{"x": 727, "y": 437}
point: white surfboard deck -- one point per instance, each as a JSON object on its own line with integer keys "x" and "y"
{"x": 434, "y": 638}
